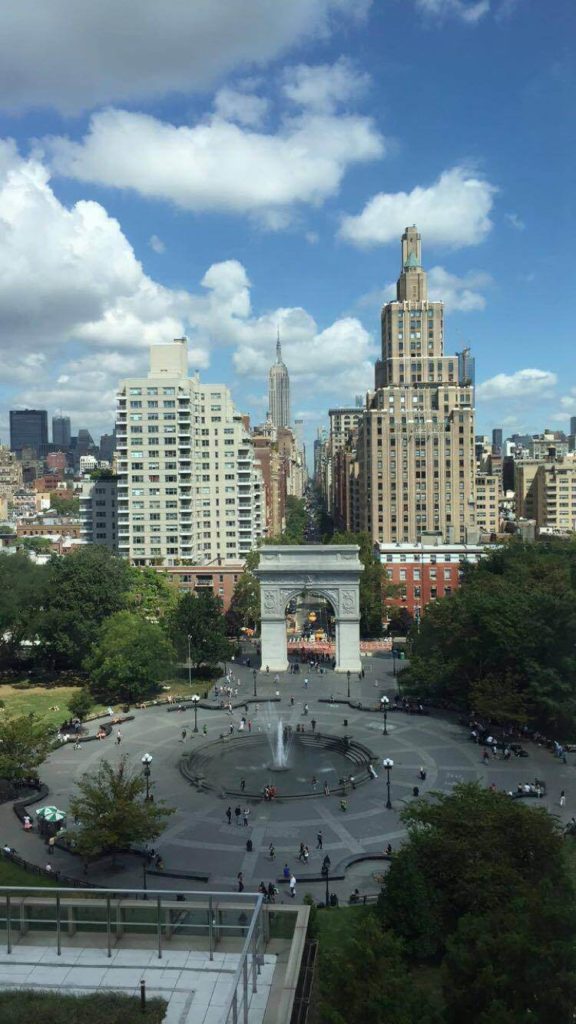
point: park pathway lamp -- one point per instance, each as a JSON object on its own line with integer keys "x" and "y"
{"x": 384, "y": 702}
{"x": 388, "y": 765}
{"x": 195, "y": 700}
{"x": 394, "y": 652}
{"x": 189, "y": 638}
{"x": 326, "y": 873}
{"x": 146, "y": 762}
{"x": 348, "y": 678}
{"x": 255, "y": 676}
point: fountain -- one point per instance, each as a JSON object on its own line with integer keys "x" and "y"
{"x": 277, "y": 739}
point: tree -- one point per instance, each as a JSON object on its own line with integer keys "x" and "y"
{"x": 40, "y": 545}
{"x": 25, "y": 741}
{"x": 21, "y": 585}
{"x": 152, "y": 594}
{"x": 506, "y": 638}
{"x": 372, "y": 583}
{"x": 244, "y": 610}
{"x": 400, "y": 622}
{"x": 197, "y": 626}
{"x": 112, "y": 813}
{"x": 63, "y": 505}
{"x": 80, "y": 592}
{"x": 80, "y": 704}
{"x": 129, "y": 659}
{"x": 366, "y": 981}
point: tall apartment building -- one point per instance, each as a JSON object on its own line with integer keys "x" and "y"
{"x": 29, "y": 429}
{"x": 416, "y": 436}
{"x": 98, "y": 512}
{"x": 10, "y": 473}
{"x": 279, "y": 391}
{"x": 546, "y": 492}
{"x": 188, "y": 489}
{"x": 61, "y": 431}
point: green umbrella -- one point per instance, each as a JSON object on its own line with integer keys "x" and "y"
{"x": 50, "y": 814}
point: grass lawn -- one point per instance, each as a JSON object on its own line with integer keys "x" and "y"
{"x": 12, "y": 874}
{"x": 56, "y": 1008}
{"x": 335, "y": 924}
{"x": 39, "y": 700}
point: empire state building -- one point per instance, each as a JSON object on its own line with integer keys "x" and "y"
{"x": 279, "y": 391}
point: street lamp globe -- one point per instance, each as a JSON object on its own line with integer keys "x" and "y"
{"x": 147, "y": 759}
{"x": 388, "y": 763}
{"x": 195, "y": 698}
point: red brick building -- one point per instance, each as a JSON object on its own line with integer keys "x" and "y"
{"x": 221, "y": 579}
{"x": 427, "y": 571}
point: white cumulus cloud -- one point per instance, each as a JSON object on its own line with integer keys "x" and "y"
{"x": 217, "y": 164}
{"x": 469, "y": 11}
{"x": 324, "y": 87}
{"x": 74, "y": 55}
{"x": 521, "y": 384}
{"x": 460, "y": 294}
{"x": 454, "y": 211}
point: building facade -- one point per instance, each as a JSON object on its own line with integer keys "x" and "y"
{"x": 279, "y": 391}
{"x": 98, "y": 512}
{"x": 61, "y": 431}
{"x": 188, "y": 488}
{"x": 425, "y": 571}
{"x": 416, "y": 436}
{"x": 29, "y": 429}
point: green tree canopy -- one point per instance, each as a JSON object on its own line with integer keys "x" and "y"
{"x": 152, "y": 594}
{"x": 197, "y": 624}
{"x": 506, "y": 639}
{"x": 482, "y": 886}
{"x": 80, "y": 591}
{"x": 65, "y": 506}
{"x": 80, "y": 704}
{"x": 21, "y": 585}
{"x": 111, "y": 811}
{"x": 129, "y": 659}
{"x": 244, "y": 610}
{"x": 25, "y": 741}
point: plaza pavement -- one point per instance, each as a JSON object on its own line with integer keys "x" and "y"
{"x": 198, "y": 837}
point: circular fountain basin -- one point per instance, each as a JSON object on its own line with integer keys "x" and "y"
{"x": 224, "y": 764}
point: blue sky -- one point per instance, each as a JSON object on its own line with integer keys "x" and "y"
{"x": 223, "y": 167}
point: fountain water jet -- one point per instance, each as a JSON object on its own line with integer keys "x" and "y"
{"x": 278, "y": 743}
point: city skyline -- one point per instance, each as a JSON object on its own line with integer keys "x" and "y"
{"x": 320, "y": 146}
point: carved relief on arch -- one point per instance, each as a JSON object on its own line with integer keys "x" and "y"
{"x": 269, "y": 600}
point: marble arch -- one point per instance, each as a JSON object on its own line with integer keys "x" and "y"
{"x": 330, "y": 570}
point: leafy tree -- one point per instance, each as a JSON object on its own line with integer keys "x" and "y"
{"x": 372, "y": 583}
{"x": 493, "y": 901}
{"x": 21, "y": 584}
{"x": 129, "y": 659}
{"x": 506, "y": 638}
{"x": 80, "y": 592}
{"x": 37, "y": 544}
{"x": 64, "y": 506}
{"x": 80, "y": 704}
{"x": 198, "y": 625}
{"x": 400, "y": 622}
{"x": 366, "y": 981}
{"x": 244, "y": 610}
{"x": 25, "y": 741}
{"x": 111, "y": 811}
{"x": 152, "y": 594}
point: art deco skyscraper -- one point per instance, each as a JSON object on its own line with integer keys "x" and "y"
{"x": 416, "y": 437}
{"x": 279, "y": 391}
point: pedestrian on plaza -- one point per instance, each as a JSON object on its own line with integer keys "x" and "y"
{"x": 205, "y": 729}
{"x": 319, "y": 840}
{"x": 249, "y": 725}
{"x": 306, "y": 709}
{"x": 372, "y": 771}
{"x": 326, "y": 788}
{"x": 485, "y": 755}
{"x": 242, "y": 785}
{"x": 292, "y": 886}
{"x": 286, "y": 872}
{"x": 314, "y": 783}
{"x": 301, "y": 852}
{"x": 158, "y": 863}
{"x": 388, "y": 849}
{"x": 306, "y": 683}
{"x": 272, "y": 892}
{"x": 183, "y": 739}
{"x": 229, "y": 815}
{"x": 240, "y": 882}
{"x": 306, "y": 854}
{"x": 51, "y": 845}
{"x": 422, "y": 774}
{"x": 271, "y": 852}
{"x": 326, "y": 865}
{"x": 245, "y": 814}
{"x": 562, "y": 798}
{"x": 313, "y": 724}
{"x": 343, "y": 804}
{"x": 118, "y": 738}
{"x": 237, "y": 813}
{"x": 291, "y": 702}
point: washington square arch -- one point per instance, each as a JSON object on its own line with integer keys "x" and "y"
{"x": 331, "y": 571}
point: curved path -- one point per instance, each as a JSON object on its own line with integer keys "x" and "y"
{"x": 198, "y": 837}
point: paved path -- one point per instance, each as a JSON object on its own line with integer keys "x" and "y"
{"x": 198, "y": 837}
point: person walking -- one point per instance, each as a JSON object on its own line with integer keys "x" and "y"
{"x": 237, "y": 813}
{"x": 326, "y": 788}
{"x": 292, "y": 886}
{"x": 118, "y": 738}
{"x": 242, "y": 785}
{"x": 423, "y": 774}
{"x": 205, "y": 729}
{"x": 319, "y": 840}
{"x": 306, "y": 682}
{"x": 51, "y": 845}
{"x": 562, "y": 798}
{"x": 272, "y": 852}
{"x": 301, "y": 852}
{"x": 245, "y": 814}
{"x": 286, "y": 872}
{"x": 343, "y": 804}
{"x": 240, "y": 882}
{"x": 183, "y": 736}
{"x": 313, "y": 724}
{"x": 229, "y": 815}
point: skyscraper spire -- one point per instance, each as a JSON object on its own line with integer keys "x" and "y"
{"x": 278, "y": 346}
{"x": 279, "y": 389}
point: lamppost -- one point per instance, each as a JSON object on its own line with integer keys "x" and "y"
{"x": 394, "y": 661}
{"x": 384, "y": 702}
{"x": 326, "y": 873}
{"x": 348, "y": 678}
{"x": 255, "y": 676}
{"x": 146, "y": 762}
{"x": 189, "y": 662}
{"x": 388, "y": 765}
{"x": 195, "y": 700}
